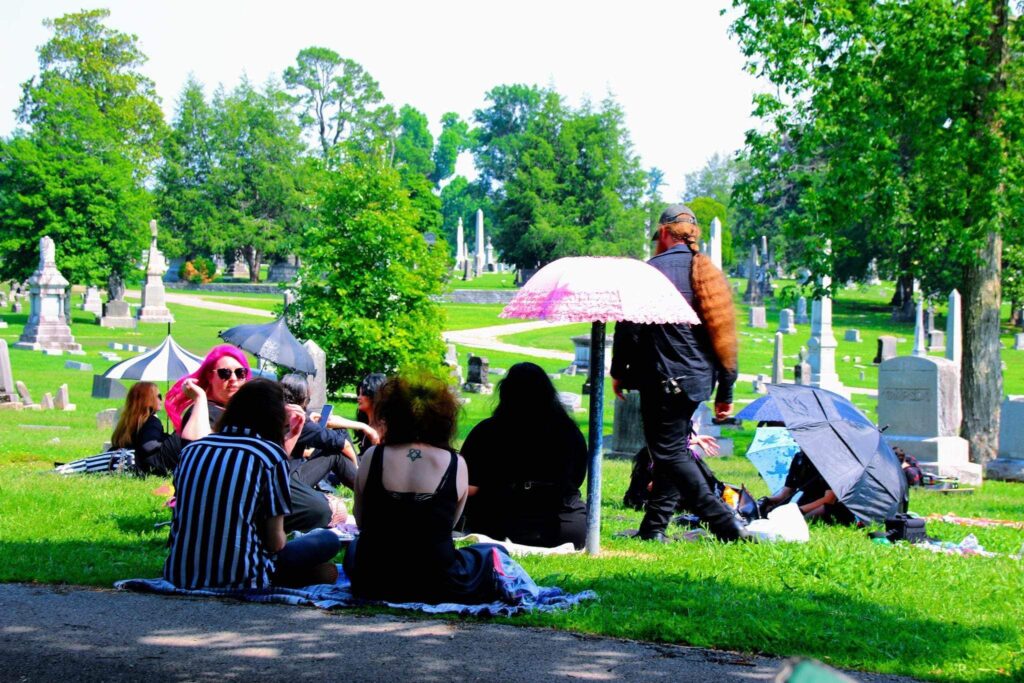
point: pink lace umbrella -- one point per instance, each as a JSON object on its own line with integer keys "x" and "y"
{"x": 599, "y": 290}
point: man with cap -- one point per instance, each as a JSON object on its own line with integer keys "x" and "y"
{"x": 675, "y": 367}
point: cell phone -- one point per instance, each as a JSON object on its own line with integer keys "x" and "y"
{"x": 325, "y": 413}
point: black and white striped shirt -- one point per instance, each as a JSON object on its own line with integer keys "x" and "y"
{"x": 226, "y": 485}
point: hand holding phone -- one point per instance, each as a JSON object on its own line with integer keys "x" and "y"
{"x": 325, "y": 414}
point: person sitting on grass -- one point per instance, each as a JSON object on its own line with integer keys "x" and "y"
{"x": 365, "y": 393}
{"x": 232, "y": 497}
{"x": 196, "y": 401}
{"x": 139, "y": 429}
{"x": 817, "y": 499}
{"x": 527, "y": 490}
{"x": 410, "y": 491}
{"x": 911, "y": 467}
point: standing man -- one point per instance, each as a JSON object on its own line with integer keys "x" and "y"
{"x": 675, "y": 367}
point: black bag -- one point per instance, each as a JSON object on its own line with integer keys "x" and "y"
{"x": 902, "y": 527}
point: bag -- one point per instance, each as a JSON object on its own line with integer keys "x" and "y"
{"x": 902, "y": 527}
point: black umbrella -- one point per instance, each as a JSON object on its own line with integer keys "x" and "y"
{"x": 846, "y": 447}
{"x": 272, "y": 342}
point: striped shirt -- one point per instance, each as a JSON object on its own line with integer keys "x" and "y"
{"x": 226, "y": 485}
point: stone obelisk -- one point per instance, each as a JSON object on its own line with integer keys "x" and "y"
{"x": 480, "y": 245}
{"x": 460, "y": 245}
{"x": 822, "y": 344}
{"x": 154, "y": 308}
{"x": 47, "y": 326}
{"x": 715, "y": 242}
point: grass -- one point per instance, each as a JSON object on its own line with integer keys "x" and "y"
{"x": 485, "y": 281}
{"x": 840, "y": 598}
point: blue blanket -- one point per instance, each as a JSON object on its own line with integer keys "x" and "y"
{"x": 519, "y": 594}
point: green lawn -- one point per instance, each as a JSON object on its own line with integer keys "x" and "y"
{"x": 840, "y": 598}
{"x": 485, "y": 281}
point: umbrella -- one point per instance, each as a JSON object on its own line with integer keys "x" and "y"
{"x": 598, "y": 290}
{"x": 846, "y": 448}
{"x": 760, "y": 410}
{"x": 167, "y": 362}
{"x": 771, "y": 452}
{"x": 272, "y": 342}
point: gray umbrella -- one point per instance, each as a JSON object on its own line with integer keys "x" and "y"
{"x": 846, "y": 447}
{"x": 272, "y": 342}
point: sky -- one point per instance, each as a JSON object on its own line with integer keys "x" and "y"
{"x": 671, "y": 65}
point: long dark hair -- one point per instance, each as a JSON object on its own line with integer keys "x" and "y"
{"x": 259, "y": 407}
{"x": 296, "y": 389}
{"x": 527, "y": 394}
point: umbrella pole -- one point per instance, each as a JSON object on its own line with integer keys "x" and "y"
{"x": 596, "y": 438}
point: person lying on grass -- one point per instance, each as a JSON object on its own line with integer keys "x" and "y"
{"x": 232, "y": 497}
{"x": 139, "y": 429}
{"x": 817, "y": 499}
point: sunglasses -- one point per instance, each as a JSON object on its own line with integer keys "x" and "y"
{"x": 225, "y": 373}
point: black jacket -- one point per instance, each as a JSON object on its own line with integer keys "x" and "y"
{"x": 645, "y": 356}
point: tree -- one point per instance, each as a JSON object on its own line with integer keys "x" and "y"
{"x": 715, "y": 179}
{"x": 496, "y": 141}
{"x": 454, "y": 140}
{"x": 892, "y": 135}
{"x": 78, "y": 172}
{"x": 707, "y": 209}
{"x": 414, "y": 147}
{"x": 368, "y": 280}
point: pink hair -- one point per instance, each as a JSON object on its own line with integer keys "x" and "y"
{"x": 177, "y": 403}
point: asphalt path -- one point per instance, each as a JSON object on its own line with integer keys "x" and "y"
{"x": 53, "y": 633}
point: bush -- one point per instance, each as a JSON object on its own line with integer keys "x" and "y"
{"x": 199, "y": 270}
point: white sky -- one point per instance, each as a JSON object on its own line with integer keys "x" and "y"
{"x": 670, "y": 64}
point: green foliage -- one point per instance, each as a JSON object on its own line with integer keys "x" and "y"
{"x": 453, "y": 140}
{"x": 706, "y": 209}
{"x": 78, "y": 173}
{"x": 414, "y": 147}
{"x": 497, "y": 139}
{"x": 368, "y": 277}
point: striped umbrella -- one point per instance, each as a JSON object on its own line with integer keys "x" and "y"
{"x": 166, "y": 363}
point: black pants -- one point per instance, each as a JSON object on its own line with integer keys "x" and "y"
{"x": 314, "y": 469}
{"x": 666, "y": 419}
{"x": 310, "y": 509}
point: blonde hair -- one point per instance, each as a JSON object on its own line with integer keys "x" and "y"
{"x": 712, "y": 297}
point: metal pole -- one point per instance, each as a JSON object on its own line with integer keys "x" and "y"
{"x": 596, "y": 438}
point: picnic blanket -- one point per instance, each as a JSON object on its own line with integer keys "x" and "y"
{"x": 519, "y": 594}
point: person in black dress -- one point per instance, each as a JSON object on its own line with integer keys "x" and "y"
{"x": 139, "y": 429}
{"x": 365, "y": 394}
{"x": 409, "y": 492}
{"x": 526, "y": 465}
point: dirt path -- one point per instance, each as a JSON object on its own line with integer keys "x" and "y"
{"x": 195, "y": 302}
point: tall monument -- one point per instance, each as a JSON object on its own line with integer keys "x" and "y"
{"x": 460, "y": 245}
{"x": 714, "y": 243}
{"x": 154, "y": 309}
{"x": 822, "y": 344}
{"x": 480, "y": 246}
{"x": 47, "y": 326}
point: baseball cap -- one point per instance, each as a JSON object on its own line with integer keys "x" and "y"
{"x": 675, "y": 213}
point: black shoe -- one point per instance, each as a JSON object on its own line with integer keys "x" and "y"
{"x": 657, "y": 537}
{"x": 733, "y": 530}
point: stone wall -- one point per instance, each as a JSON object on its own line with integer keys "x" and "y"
{"x": 225, "y": 287}
{"x": 479, "y": 296}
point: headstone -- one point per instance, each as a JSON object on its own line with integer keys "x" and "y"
{"x": 451, "y": 356}
{"x": 1009, "y": 466}
{"x": 581, "y": 352}
{"x": 317, "y": 382}
{"x": 107, "y": 419}
{"x": 26, "y": 398}
{"x": 936, "y": 340}
{"x": 47, "y": 402}
{"x": 284, "y": 270}
{"x": 786, "y": 325}
{"x": 852, "y": 336}
{"x": 47, "y": 326}
{"x": 570, "y": 401}
{"x": 753, "y": 295}
{"x": 460, "y": 246}
{"x": 886, "y": 349}
{"x": 477, "y": 380}
{"x": 63, "y": 401}
{"x": 8, "y": 397}
{"x": 16, "y": 307}
{"x": 929, "y": 320}
{"x": 777, "y": 360}
{"x": 154, "y": 307}
{"x": 920, "y": 350}
{"x": 490, "y": 265}
{"x": 480, "y": 244}
{"x": 104, "y": 387}
{"x": 76, "y": 365}
{"x": 872, "y": 276}
{"x": 801, "y": 311}
{"x": 760, "y": 384}
{"x": 627, "y": 429}
{"x": 240, "y": 269}
{"x": 219, "y": 264}
{"x": 116, "y": 312}
{"x": 92, "y": 302}
{"x": 919, "y": 407}
{"x": 822, "y": 345}
{"x": 173, "y": 273}
{"x": 954, "y": 337}
{"x": 714, "y": 246}
{"x": 757, "y": 317}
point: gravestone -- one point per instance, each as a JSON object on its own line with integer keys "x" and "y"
{"x": 116, "y": 312}
{"x": 802, "y": 373}
{"x": 786, "y": 325}
{"x": 936, "y": 340}
{"x": 570, "y": 401}
{"x": 106, "y": 419}
{"x": 872, "y": 275}
{"x": 16, "y": 306}
{"x": 581, "y": 352}
{"x": 801, "y": 311}
{"x": 317, "y": 382}
{"x": 154, "y": 307}
{"x": 759, "y": 384}
{"x": 757, "y": 317}
{"x": 240, "y": 269}
{"x": 76, "y": 365}
{"x": 460, "y": 246}
{"x": 1018, "y": 341}
{"x": 286, "y": 270}
{"x": 104, "y": 387}
{"x": 920, "y": 349}
{"x": 822, "y": 346}
{"x": 852, "y": 336}
{"x": 481, "y": 246}
{"x": 954, "y": 334}
{"x": 1009, "y": 466}
{"x": 929, "y": 320}
{"x": 490, "y": 265}
{"x": 47, "y": 402}
{"x": 91, "y": 301}
{"x": 919, "y": 407}
{"x": 477, "y": 380}
{"x": 627, "y": 428}
{"x": 777, "y": 360}
{"x": 173, "y": 273}
{"x": 26, "y": 398}
{"x": 714, "y": 244}
{"x": 63, "y": 401}
{"x": 8, "y": 396}
{"x": 886, "y": 349}
{"x": 47, "y": 326}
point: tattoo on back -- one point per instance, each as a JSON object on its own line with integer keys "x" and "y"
{"x": 414, "y": 454}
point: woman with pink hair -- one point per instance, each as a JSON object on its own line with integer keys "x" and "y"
{"x": 196, "y": 401}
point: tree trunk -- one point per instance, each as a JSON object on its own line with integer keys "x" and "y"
{"x": 903, "y": 299}
{"x": 254, "y": 258}
{"x": 981, "y": 375}
{"x": 1015, "y": 314}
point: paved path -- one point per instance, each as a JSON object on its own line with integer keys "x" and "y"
{"x": 195, "y": 302}
{"x": 489, "y": 338}
{"x": 51, "y": 633}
